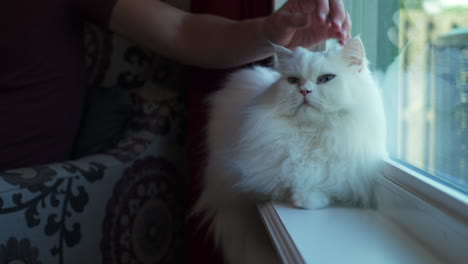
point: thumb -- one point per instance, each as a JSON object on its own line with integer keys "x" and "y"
{"x": 288, "y": 20}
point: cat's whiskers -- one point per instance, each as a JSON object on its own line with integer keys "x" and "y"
{"x": 271, "y": 113}
{"x": 335, "y": 119}
{"x": 332, "y": 118}
{"x": 321, "y": 103}
{"x": 282, "y": 107}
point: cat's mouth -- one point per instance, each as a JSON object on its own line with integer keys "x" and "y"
{"x": 306, "y": 103}
{"x": 305, "y": 107}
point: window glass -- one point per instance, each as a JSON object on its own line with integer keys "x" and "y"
{"x": 419, "y": 51}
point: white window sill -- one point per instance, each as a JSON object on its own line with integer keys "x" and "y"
{"x": 404, "y": 229}
{"x": 339, "y": 235}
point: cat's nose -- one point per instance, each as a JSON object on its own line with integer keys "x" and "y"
{"x": 304, "y": 92}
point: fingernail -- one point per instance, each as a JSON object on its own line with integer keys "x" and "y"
{"x": 337, "y": 23}
{"x": 322, "y": 16}
{"x": 344, "y": 33}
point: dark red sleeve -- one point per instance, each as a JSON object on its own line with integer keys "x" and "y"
{"x": 97, "y": 11}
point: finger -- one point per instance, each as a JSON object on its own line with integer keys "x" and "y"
{"x": 322, "y": 10}
{"x": 346, "y": 29}
{"x": 342, "y": 39}
{"x": 291, "y": 20}
{"x": 337, "y": 13}
{"x": 338, "y": 35}
{"x": 347, "y": 23}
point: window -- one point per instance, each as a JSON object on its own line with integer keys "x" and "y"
{"x": 419, "y": 52}
{"x": 421, "y": 49}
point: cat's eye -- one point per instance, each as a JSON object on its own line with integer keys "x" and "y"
{"x": 293, "y": 80}
{"x": 325, "y": 78}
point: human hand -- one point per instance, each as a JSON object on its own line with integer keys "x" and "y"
{"x": 307, "y": 23}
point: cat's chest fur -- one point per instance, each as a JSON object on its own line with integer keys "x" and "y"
{"x": 284, "y": 152}
{"x": 304, "y": 146}
{"x": 309, "y": 143}
{"x": 277, "y": 156}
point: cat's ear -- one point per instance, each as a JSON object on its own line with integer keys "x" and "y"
{"x": 282, "y": 55}
{"x": 354, "y": 54}
{"x": 281, "y": 51}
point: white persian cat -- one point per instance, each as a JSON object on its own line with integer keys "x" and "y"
{"x": 311, "y": 131}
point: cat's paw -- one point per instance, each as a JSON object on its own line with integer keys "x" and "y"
{"x": 313, "y": 200}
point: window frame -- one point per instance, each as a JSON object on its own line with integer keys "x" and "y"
{"x": 429, "y": 211}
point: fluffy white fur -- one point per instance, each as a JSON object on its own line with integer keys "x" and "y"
{"x": 267, "y": 140}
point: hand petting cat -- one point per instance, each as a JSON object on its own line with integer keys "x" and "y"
{"x": 307, "y": 23}
{"x": 218, "y": 42}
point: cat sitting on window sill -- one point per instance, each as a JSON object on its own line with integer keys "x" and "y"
{"x": 310, "y": 131}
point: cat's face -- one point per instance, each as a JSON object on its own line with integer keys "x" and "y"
{"x": 316, "y": 85}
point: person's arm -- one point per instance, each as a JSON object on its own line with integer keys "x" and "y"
{"x": 203, "y": 40}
